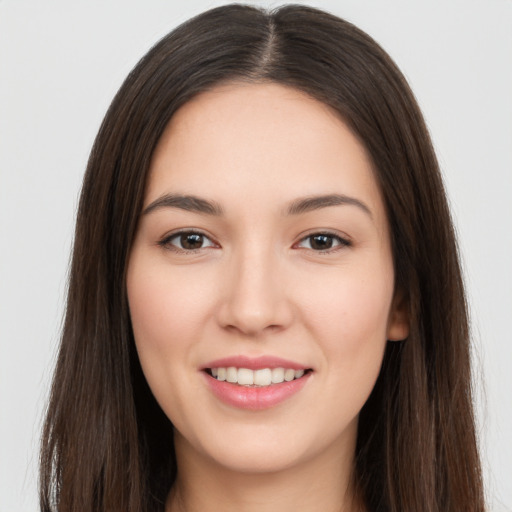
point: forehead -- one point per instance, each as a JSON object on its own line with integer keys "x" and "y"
{"x": 268, "y": 141}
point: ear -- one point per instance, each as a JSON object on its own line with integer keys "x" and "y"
{"x": 398, "y": 320}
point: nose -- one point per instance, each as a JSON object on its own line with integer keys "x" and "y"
{"x": 254, "y": 296}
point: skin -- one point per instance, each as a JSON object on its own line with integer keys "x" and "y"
{"x": 258, "y": 286}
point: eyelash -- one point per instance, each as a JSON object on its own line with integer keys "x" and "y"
{"x": 166, "y": 242}
{"x": 341, "y": 242}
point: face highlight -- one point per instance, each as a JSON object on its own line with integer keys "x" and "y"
{"x": 260, "y": 282}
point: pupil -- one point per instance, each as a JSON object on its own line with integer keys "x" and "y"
{"x": 321, "y": 242}
{"x": 191, "y": 241}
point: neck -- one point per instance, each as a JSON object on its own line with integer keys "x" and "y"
{"x": 324, "y": 483}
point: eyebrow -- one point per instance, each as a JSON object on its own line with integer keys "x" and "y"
{"x": 197, "y": 204}
{"x": 310, "y": 203}
{"x": 185, "y": 202}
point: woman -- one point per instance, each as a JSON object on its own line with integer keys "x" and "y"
{"x": 265, "y": 307}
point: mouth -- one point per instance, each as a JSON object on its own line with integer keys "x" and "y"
{"x": 258, "y": 378}
{"x": 255, "y": 383}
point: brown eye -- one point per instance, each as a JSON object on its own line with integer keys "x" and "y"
{"x": 191, "y": 241}
{"x": 323, "y": 242}
{"x": 187, "y": 241}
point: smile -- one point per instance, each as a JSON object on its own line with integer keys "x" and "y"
{"x": 255, "y": 384}
{"x": 258, "y": 378}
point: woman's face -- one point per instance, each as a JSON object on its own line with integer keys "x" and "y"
{"x": 262, "y": 254}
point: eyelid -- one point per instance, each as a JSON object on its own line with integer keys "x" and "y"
{"x": 342, "y": 239}
{"x": 165, "y": 241}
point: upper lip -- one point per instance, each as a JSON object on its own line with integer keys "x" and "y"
{"x": 255, "y": 363}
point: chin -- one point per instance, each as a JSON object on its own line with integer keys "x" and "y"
{"x": 269, "y": 448}
{"x": 262, "y": 461}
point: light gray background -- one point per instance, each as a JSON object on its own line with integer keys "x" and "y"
{"x": 61, "y": 63}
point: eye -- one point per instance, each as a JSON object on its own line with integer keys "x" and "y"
{"x": 187, "y": 241}
{"x": 323, "y": 242}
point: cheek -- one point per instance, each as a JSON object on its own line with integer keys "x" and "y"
{"x": 349, "y": 323}
{"x": 168, "y": 310}
{"x": 354, "y": 339}
{"x": 165, "y": 306}
{"x": 350, "y": 309}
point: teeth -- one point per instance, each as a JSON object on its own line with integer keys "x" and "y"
{"x": 231, "y": 374}
{"x": 245, "y": 377}
{"x": 277, "y": 375}
{"x": 262, "y": 377}
{"x": 289, "y": 375}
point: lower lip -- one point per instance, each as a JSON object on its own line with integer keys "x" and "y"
{"x": 255, "y": 398}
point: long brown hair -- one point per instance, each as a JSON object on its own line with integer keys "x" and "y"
{"x": 107, "y": 445}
